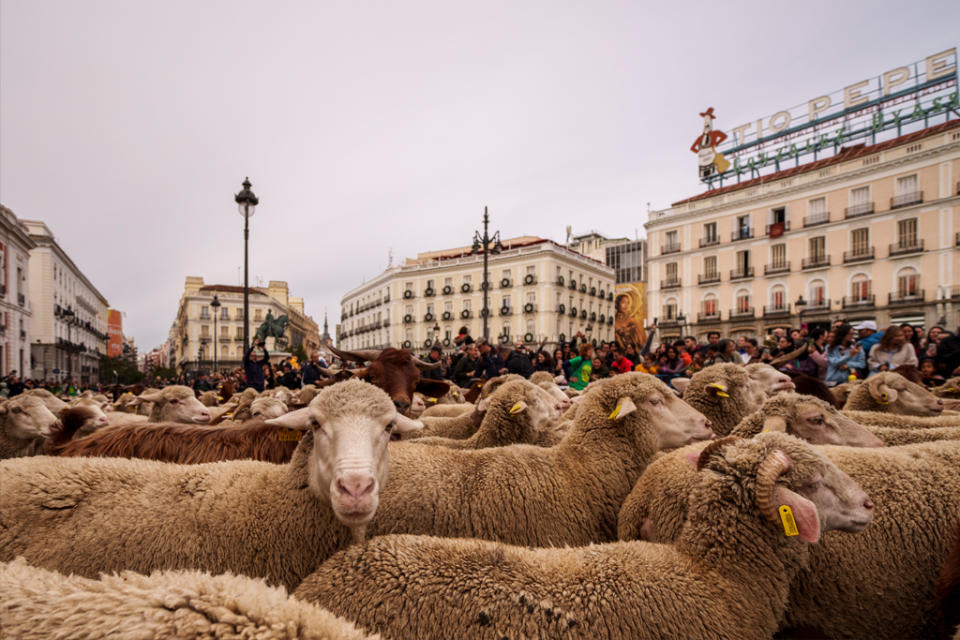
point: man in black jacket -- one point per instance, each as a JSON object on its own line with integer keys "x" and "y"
{"x": 435, "y": 356}
{"x": 253, "y": 365}
{"x": 466, "y": 365}
{"x": 491, "y": 364}
{"x": 518, "y": 362}
{"x": 311, "y": 370}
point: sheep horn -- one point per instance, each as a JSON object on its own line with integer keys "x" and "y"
{"x": 712, "y": 448}
{"x": 773, "y": 466}
{"x": 779, "y": 361}
{"x": 366, "y": 355}
{"x": 423, "y": 365}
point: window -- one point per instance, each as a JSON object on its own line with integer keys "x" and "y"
{"x": 531, "y": 325}
{"x": 224, "y": 332}
{"x": 506, "y": 302}
{"x": 670, "y": 309}
{"x": 907, "y": 233}
{"x": 429, "y": 284}
{"x": 778, "y": 255}
{"x": 859, "y": 196}
{"x": 258, "y": 315}
{"x": 430, "y": 309}
{"x": 742, "y": 229}
{"x": 710, "y": 305}
{"x": 908, "y": 283}
{"x": 710, "y": 267}
{"x": 532, "y": 296}
{"x": 505, "y": 330}
{"x": 860, "y": 241}
{"x": 408, "y": 335}
{"x": 238, "y": 313}
{"x": 671, "y": 272}
{"x": 466, "y": 305}
{"x": 239, "y": 333}
{"x": 818, "y": 294}
{"x": 670, "y": 242}
{"x": 506, "y": 274}
{"x": 710, "y": 233}
{"x": 205, "y": 330}
{"x": 817, "y": 207}
{"x": 778, "y": 215}
{"x": 448, "y": 306}
{"x": 860, "y": 288}
{"x": 743, "y": 302}
{"x": 531, "y": 270}
{"x": 777, "y": 298}
{"x": 818, "y": 248}
{"x": 906, "y": 185}
{"x": 204, "y": 312}
{"x": 408, "y": 310}
{"x": 743, "y": 262}
{"x": 448, "y": 282}
{"x": 224, "y": 313}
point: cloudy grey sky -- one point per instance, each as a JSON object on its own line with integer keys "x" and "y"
{"x": 367, "y": 126}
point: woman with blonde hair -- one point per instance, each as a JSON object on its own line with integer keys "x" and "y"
{"x": 892, "y": 351}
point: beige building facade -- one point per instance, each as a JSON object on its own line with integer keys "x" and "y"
{"x": 195, "y": 335}
{"x": 539, "y": 291}
{"x": 15, "y": 308}
{"x": 870, "y": 233}
{"x": 68, "y": 330}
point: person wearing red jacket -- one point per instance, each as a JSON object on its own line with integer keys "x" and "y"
{"x": 620, "y": 364}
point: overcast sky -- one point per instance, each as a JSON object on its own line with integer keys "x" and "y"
{"x": 128, "y": 126}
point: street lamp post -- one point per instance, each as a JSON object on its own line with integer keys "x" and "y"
{"x": 436, "y": 334}
{"x": 215, "y": 305}
{"x": 248, "y": 204}
{"x": 483, "y": 243}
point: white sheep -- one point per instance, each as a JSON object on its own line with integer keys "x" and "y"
{"x": 25, "y": 423}
{"x": 879, "y": 584}
{"x": 889, "y": 392}
{"x": 40, "y": 604}
{"x": 89, "y": 515}
{"x": 725, "y": 393}
{"x": 727, "y": 576}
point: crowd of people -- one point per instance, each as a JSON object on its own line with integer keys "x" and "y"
{"x": 835, "y": 355}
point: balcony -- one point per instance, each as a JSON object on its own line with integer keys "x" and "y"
{"x": 858, "y": 255}
{"x": 905, "y": 297}
{"x": 820, "y": 218}
{"x": 816, "y": 262}
{"x": 529, "y": 307}
{"x": 466, "y": 313}
{"x": 819, "y": 306}
{"x": 670, "y": 248}
{"x": 447, "y": 315}
{"x": 740, "y": 274}
{"x": 905, "y": 247}
{"x": 21, "y": 299}
{"x": 774, "y": 311}
{"x": 707, "y": 317}
{"x": 428, "y": 317}
{"x": 776, "y": 267}
{"x": 506, "y": 311}
{"x": 669, "y": 322}
{"x": 782, "y": 226}
{"x": 741, "y": 314}
{"x": 741, "y": 234}
{"x": 408, "y": 294}
{"x": 709, "y": 242}
{"x": 864, "y": 302}
{"x": 857, "y": 210}
{"x": 708, "y": 278}
{"x": 906, "y": 199}
{"x": 670, "y": 284}
{"x": 506, "y": 283}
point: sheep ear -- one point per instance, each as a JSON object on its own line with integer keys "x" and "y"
{"x": 406, "y": 425}
{"x": 301, "y": 419}
{"x": 625, "y": 407}
{"x": 483, "y": 405}
{"x": 798, "y": 515}
{"x": 693, "y": 457}
{"x": 151, "y": 396}
{"x": 881, "y": 391}
{"x": 775, "y": 423}
{"x": 518, "y": 407}
{"x": 718, "y": 389}
{"x": 680, "y": 384}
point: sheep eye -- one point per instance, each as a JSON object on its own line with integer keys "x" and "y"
{"x": 17, "y": 410}
{"x": 314, "y": 423}
{"x": 654, "y": 400}
{"x": 174, "y": 401}
{"x": 389, "y": 428}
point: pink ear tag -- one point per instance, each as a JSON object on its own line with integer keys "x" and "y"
{"x": 786, "y": 519}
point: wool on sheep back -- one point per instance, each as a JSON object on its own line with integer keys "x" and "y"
{"x": 563, "y": 495}
{"x": 37, "y": 604}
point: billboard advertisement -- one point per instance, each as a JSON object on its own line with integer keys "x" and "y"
{"x": 115, "y": 333}
{"x": 630, "y": 302}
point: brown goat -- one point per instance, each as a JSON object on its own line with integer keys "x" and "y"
{"x": 397, "y": 372}
{"x": 187, "y": 444}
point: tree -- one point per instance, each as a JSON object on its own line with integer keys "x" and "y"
{"x": 299, "y": 352}
{"x": 118, "y": 370}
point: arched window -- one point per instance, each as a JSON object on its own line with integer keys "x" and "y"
{"x": 711, "y": 307}
{"x": 670, "y": 309}
{"x": 818, "y": 294}
{"x": 860, "y": 288}
{"x": 908, "y": 283}
{"x": 778, "y": 298}
{"x": 743, "y": 301}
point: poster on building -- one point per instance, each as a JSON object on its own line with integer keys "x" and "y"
{"x": 115, "y": 333}
{"x": 631, "y": 314}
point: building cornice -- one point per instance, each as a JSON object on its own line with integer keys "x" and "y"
{"x": 45, "y": 241}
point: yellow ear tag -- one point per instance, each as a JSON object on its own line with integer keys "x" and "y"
{"x": 884, "y": 398}
{"x": 434, "y": 400}
{"x": 786, "y": 518}
{"x": 616, "y": 412}
{"x": 515, "y": 409}
{"x": 289, "y": 435}
{"x": 721, "y": 391}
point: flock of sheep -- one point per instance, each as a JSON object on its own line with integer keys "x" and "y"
{"x": 362, "y": 509}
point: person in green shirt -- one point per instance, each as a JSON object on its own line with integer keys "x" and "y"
{"x": 581, "y": 367}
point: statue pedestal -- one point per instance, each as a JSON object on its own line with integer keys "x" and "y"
{"x": 270, "y": 343}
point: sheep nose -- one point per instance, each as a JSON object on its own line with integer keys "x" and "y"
{"x": 102, "y": 421}
{"x": 868, "y": 504}
{"x": 356, "y": 486}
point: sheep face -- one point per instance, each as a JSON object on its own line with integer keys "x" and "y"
{"x": 791, "y": 472}
{"x": 419, "y": 405}
{"x": 176, "y": 404}
{"x": 898, "y": 395}
{"x": 352, "y": 422}
{"x": 770, "y": 380}
{"x": 817, "y": 422}
{"x": 267, "y": 408}
{"x": 542, "y": 407}
{"x": 562, "y": 400}
{"x": 26, "y": 418}
{"x": 52, "y": 402}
